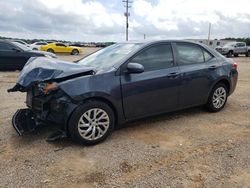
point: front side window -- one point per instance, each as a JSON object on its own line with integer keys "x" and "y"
{"x": 155, "y": 57}
{"x": 189, "y": 54}
{"x": 59, "y": 44}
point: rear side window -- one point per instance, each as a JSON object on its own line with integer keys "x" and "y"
{"x": 189, "y": 54}
{"x": 155, "y": 57}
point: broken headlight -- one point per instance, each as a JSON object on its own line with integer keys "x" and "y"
{"x": 46, "y": 88}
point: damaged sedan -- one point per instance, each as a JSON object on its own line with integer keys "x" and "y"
{"x": 121, "y": 83}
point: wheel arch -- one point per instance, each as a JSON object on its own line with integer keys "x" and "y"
{"x": 104, "y": 100}
{"x": 224, "y": 81}
{"x": 96, "y": 98}
{"x": 50, "y": 49}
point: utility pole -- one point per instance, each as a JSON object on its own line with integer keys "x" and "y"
{"x": 127, "y": 14}
{"x": 144, "y": 36}
{"x": 209, "y": 32}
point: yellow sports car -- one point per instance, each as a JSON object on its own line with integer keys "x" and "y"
{"x": 61, "y": 48}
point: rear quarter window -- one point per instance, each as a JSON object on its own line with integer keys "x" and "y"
{"x": 207, "y": 56}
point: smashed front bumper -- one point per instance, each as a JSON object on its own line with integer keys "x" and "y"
{"x": 53, "y": 109}
{"x": 23, "y": 121}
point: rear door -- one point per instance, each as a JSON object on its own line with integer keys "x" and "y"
{"x": 198, "y": 69}
{"x": 154, "y": 91}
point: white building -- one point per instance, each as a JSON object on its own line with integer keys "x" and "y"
{"x": 212, "y": 43}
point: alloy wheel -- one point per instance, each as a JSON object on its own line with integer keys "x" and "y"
{"x": 93, "y": 124}
{"x": 219, "y": 97}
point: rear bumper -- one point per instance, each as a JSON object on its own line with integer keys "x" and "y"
{"x": 234, "y": 80}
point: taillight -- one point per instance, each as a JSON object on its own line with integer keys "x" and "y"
{"x": 234, "y": 66}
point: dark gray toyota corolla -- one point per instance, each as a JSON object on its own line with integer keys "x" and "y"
{"x": 120, "y": 83}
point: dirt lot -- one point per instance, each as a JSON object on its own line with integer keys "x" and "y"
{"x": 190, "y": 148}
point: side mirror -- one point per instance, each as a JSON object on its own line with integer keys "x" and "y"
{"x": 134, "y": 68}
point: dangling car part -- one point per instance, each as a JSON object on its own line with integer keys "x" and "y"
{"x": 23, "y": 121}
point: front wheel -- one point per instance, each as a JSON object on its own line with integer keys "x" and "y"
{"x": 230, "y": 54}
{"x": 91, "y": 122}
{"x": 217, "y": 98}
{"x": 248, "y": 53}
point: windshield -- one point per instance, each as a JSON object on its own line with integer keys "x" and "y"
{"x": 23, "y": 47}
{"x": 109, "y": 56}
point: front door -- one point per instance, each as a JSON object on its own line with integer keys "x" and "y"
{"x": 154, "y": 91}
{"x": 61, "y": 48}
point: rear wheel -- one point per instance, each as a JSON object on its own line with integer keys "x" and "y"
{"x": 217, "y": 98}
{"x": 50, "y": 50}
{"x": 75, "y": 52}
{"x": 91, "y": 123}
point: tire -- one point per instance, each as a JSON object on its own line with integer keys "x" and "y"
{"x": 50, "y": 50}
{"x": 217, "y": 103}
{"x": 82, "y": 123}
{"x": 75, "y": 52}
{"x": 230, "y": 54}
{"x": 236, "y": 55}
{"x": 248, "y": 53}
{"x": 34, "y": 49}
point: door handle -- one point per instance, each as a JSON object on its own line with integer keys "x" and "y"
{"x": 173, "y": 75}
{"x": 212, "y": 67}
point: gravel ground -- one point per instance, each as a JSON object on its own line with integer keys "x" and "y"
{"x": 189, "y": 148}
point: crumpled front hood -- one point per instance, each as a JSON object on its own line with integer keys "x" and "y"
{"x": 41, "y": 69}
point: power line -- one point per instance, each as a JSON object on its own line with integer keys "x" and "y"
{"x": 127, "y": 5}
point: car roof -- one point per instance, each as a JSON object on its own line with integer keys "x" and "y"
{"x": 156, "y": 41}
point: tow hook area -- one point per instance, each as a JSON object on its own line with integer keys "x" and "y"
{"x": 23, "y": 121}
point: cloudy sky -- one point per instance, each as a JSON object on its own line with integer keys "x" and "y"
{"x": 103, "y": 20}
